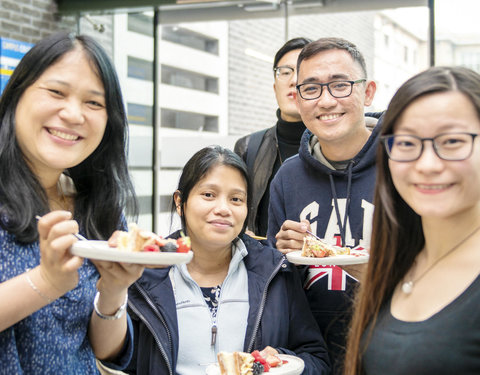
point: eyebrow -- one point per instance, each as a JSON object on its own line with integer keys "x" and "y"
{"x": 441, "y": 129}
{"x": 331, "y": 78}
{"x": 63, "y": 83}
{"x": 215, "y": 186}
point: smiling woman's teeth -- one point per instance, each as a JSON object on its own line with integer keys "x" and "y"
{"x": 68, "y": 137}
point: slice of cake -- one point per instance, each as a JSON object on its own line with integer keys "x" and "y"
{"x": 226, "y": 362}
{"x": 135, "y": 239}
{"x": 315, "y": 248}
{"x": 244, "y": 363}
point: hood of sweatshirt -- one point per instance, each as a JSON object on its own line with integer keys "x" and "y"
{"x": 363, "y": 160}
{"x": 361, "y": 163}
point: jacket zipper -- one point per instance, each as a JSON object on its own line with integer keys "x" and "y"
{"x": 262, "y": 305}
{"x": 150, "y": 328}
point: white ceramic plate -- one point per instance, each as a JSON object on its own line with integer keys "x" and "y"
{"x": 294, "y": 366}
{"x": 338, "y": 260}
{"x": 101, "y": 251}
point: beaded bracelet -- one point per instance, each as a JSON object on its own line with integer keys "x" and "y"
{"x": 34, "y": 287}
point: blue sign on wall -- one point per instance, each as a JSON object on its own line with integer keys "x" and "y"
{"x": 11, "y": 52}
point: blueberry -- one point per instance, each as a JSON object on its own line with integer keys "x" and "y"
{"x": 169, "y": 247}
{"x": 257, "y": 368}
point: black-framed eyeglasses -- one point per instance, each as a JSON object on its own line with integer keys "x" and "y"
{"x": 283, "y": 72}
{"x": 338, "y": 89}
{"x": 447, "y": 146}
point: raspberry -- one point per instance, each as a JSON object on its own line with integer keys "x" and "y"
{"x": 151, "y": 248}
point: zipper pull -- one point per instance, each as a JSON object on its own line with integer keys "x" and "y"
{"x": 214, "y": 335}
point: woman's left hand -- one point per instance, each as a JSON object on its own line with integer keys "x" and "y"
{"x": 115, "y": 278}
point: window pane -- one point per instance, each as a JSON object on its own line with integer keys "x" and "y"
{"x": 188, "y": 120}
{"x": 191, "y": 80}
{"x": 190, "y": 39}
{"x": 139, "y": 114}
{"x": 139, "y": 68}
{"x": 140, "y": 23}
{"x": 165, "y": 203}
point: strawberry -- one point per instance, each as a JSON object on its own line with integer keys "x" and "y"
{"x": 259, "y": 358}
{"x": 183, "y": 244}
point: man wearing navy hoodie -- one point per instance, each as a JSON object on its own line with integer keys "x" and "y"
{"x": 328, "y": 187}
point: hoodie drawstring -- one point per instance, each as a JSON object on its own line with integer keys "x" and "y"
{"x": 342, "y": 226}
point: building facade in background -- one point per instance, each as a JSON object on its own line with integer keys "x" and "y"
{"x": 215, "y": 79}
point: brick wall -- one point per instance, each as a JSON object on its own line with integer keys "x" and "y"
{"x": 31, "y": 20}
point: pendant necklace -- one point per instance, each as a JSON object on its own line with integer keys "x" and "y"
{"x": 407, "y": 286}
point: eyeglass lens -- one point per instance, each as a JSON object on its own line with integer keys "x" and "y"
{"x": 449, "y": 146}
{"x": 338, "y": 89}
{"x": 283, "y": 72}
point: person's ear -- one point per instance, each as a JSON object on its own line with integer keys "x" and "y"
{"x": 177, "y": 198}
{"x": 370, "y": 90}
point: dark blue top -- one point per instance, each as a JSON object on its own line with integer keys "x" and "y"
{"x": 54, "y": 339}
{"x": 305, "y": 188}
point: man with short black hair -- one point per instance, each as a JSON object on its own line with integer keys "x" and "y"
{"x": 266, "y": 150}
{"x": 328, "y": 187}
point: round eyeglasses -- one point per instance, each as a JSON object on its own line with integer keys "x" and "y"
{"x": 338, "y": 89}
{"x": 283, "y": 72}
{"x": 447, "y": 146}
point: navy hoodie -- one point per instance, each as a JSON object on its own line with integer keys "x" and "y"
{"x": 305, "y": 188}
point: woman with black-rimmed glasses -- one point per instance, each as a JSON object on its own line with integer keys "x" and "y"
{"x": 417, "y": 309}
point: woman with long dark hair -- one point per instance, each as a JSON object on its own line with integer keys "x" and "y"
{"x": 62, "y": 160}
{"x": 417, "y": 309}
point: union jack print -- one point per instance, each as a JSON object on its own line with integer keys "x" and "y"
{"x": 335, "y": 275}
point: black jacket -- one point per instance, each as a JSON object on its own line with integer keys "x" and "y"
{"x": 267, "y": 160}
{"x": 262, "y": 170}
{"x": 279, "y": 315}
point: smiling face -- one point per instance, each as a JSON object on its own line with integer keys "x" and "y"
{"x": 285, "y": 88}
{"x": 216, "y": 208}
{"x": 434, "y": 187}
{"x": 61, "y": 118}
{"x": 337, "y": 122}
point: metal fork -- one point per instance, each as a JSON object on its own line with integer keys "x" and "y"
{"x": 78, "y": 235}
{"x": 314, "y": 235}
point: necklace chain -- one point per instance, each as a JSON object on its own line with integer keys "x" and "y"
{"x": 407, "y": 286}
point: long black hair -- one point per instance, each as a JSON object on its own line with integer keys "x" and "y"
{"x": 397, "y": 232}
{"x": 103, "y": 185}
{"x": 197, "y": 168}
